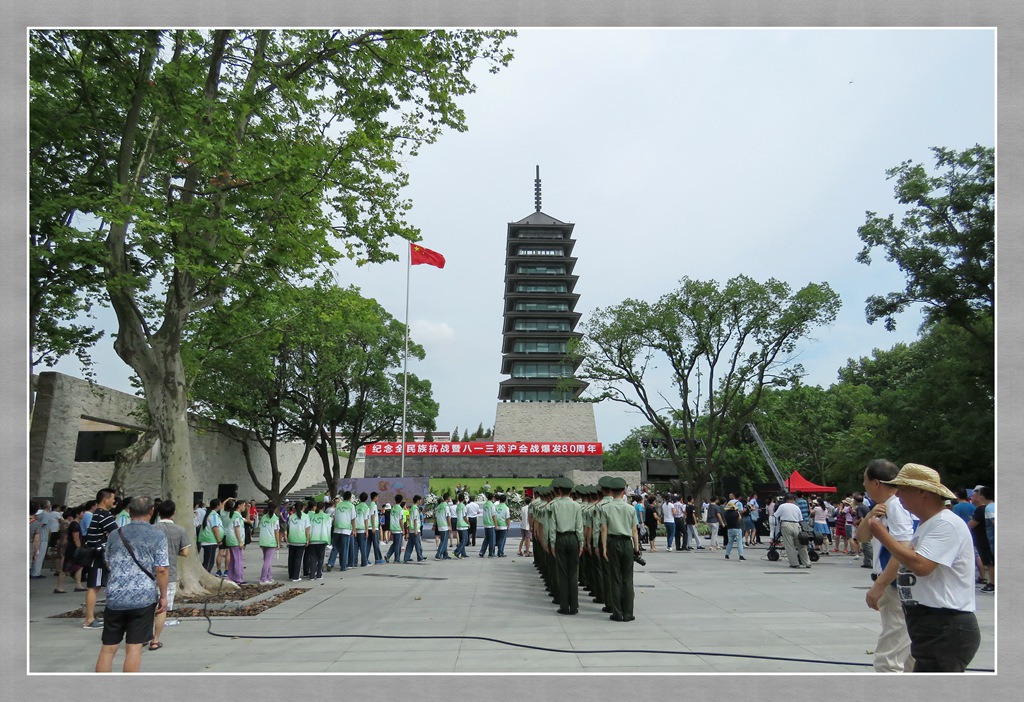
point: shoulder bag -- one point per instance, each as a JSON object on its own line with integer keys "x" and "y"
{"x": 131, "y": 552}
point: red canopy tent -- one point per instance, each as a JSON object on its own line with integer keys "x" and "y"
{"x": 799, "y": 482}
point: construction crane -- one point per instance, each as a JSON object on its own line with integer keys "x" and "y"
{"x": 767, "y": 455}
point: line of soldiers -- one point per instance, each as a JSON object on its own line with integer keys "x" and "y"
{"x": 586, "y": 536}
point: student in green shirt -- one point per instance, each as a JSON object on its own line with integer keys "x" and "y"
{"x": 223, "y": 548}
{"x": 210, "y": 535}
{"x": 442, "y": 528}
{"x": 488, "y": 513}
{"x": 361, "y": 523}
{"x": 415, "y": 530}
{"x": 374, "y": 529}
{"x": 270, "y": 541}
{"x": 501, "y": 518}
{"x": 234, "y": 540}
{"x": 397, "y": 526}
{"x": 461, "y": 525}
{"x": 343, "y": 539}
{"x": 298, "y": 539}
{"x": 319, "y": 535}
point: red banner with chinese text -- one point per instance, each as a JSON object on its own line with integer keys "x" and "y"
{"x": 486, "y": 448}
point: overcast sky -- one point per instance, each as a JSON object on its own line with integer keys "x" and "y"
{"x": 676, "y": 152}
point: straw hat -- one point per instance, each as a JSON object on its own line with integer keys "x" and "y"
{"x": 922, "y": 477}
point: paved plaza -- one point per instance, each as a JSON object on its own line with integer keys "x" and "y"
{"x": 695, "y": 613}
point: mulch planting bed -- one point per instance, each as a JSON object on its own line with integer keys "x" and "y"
{"x": 186, "y": 606}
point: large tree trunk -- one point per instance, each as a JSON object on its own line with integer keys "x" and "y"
{"x": 162, "y": 374}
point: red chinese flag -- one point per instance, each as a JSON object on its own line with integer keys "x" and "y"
{"x": 422, "y": 255}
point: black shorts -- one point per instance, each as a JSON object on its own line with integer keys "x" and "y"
{"x": 134, "y": 626}
{"x": 95, "y": 576}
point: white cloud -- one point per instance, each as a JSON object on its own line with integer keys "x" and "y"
{"x": 425, "y": 332}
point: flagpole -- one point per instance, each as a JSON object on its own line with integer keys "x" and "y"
{"x": 405, "y": 370}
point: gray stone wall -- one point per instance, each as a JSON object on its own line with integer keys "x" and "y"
{"x": 545, "y": 421}
{"x": 632, "y": 477}
{"x": 61, "y": 403}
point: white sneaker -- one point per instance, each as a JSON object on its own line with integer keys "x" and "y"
{"x": 172, "y": 622}
{"x": 669, "y": 548}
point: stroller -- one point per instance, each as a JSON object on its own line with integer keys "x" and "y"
{"x": 807, "y": 537}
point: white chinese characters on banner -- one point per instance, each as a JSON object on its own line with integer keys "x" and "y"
{"x": 486, "y": 448}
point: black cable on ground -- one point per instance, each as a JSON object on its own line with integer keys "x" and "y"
{"x": 513, "y": 644}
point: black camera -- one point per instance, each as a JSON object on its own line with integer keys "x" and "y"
{"x": 637, "y": 558}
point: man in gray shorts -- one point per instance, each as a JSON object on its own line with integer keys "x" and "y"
{"x": 177, "y": 545}
{"x": 136, "y": 588}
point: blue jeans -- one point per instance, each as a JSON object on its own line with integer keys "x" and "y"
{"x": 488, "y": 541}
{"x": 670, "y": 532}
{"x": 735, "y": 537}
{"x": 500, "y": 535}
{"x": 442, "y": 549}
{"x": 343, "y": 544}
{"x": 353, "y": 554}
{"x": 414, "y": 542}
{"x": 335, "y": 547}
{"x": 396, "y": 546}
{"x": 375, "y": 540}
{"x": 460, "y": 550}
{"x": 362, "y": 547}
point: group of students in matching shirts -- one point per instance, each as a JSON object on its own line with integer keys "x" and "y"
{"x": 221, "y": 538}
{"x": 451, "y": 515}
{"x": 351, "y": 528}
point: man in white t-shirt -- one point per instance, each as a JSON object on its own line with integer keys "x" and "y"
{"x": 892, "y": 651}
{"x": 668, "y": 519}
{"x": 472, "y": 512}
{"x": 936, "y": 574}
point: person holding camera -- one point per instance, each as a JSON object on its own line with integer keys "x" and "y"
{"x": 790, "y": 519}
{"x": 620, "y": 544}
{"x": 935, "y": 581}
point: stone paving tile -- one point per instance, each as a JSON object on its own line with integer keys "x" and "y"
{"x": 695, "y": 602}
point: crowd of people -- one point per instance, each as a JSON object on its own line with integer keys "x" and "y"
{"x": 928, "y": 548}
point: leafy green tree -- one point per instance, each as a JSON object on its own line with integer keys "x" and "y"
{"x": 210, "y": 164}
{"x": 465, "y": 435}
{"x": 626, "y": 455}
{"x": 799, "y": 424}
{"x": 944, "y": 242}
{"x": 721, "y": 344}
{"x": 253, "y": 365}
{"x": 929, "y": 403}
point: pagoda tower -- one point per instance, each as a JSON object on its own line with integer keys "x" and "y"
{"x": 540, "y": 314}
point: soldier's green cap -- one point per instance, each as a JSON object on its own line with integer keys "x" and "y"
{"x": 603, "y": 481}
{"x": 562, "y": 483}
{"x": 617, "y": 483}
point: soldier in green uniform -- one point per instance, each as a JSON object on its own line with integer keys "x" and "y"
{"x": 540, "y": 514}
{"x": 603, "y": 576}
{"x": 586, "y": 569}
{"x": 619, "y": 543}
{"x": 565, "y": 537}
